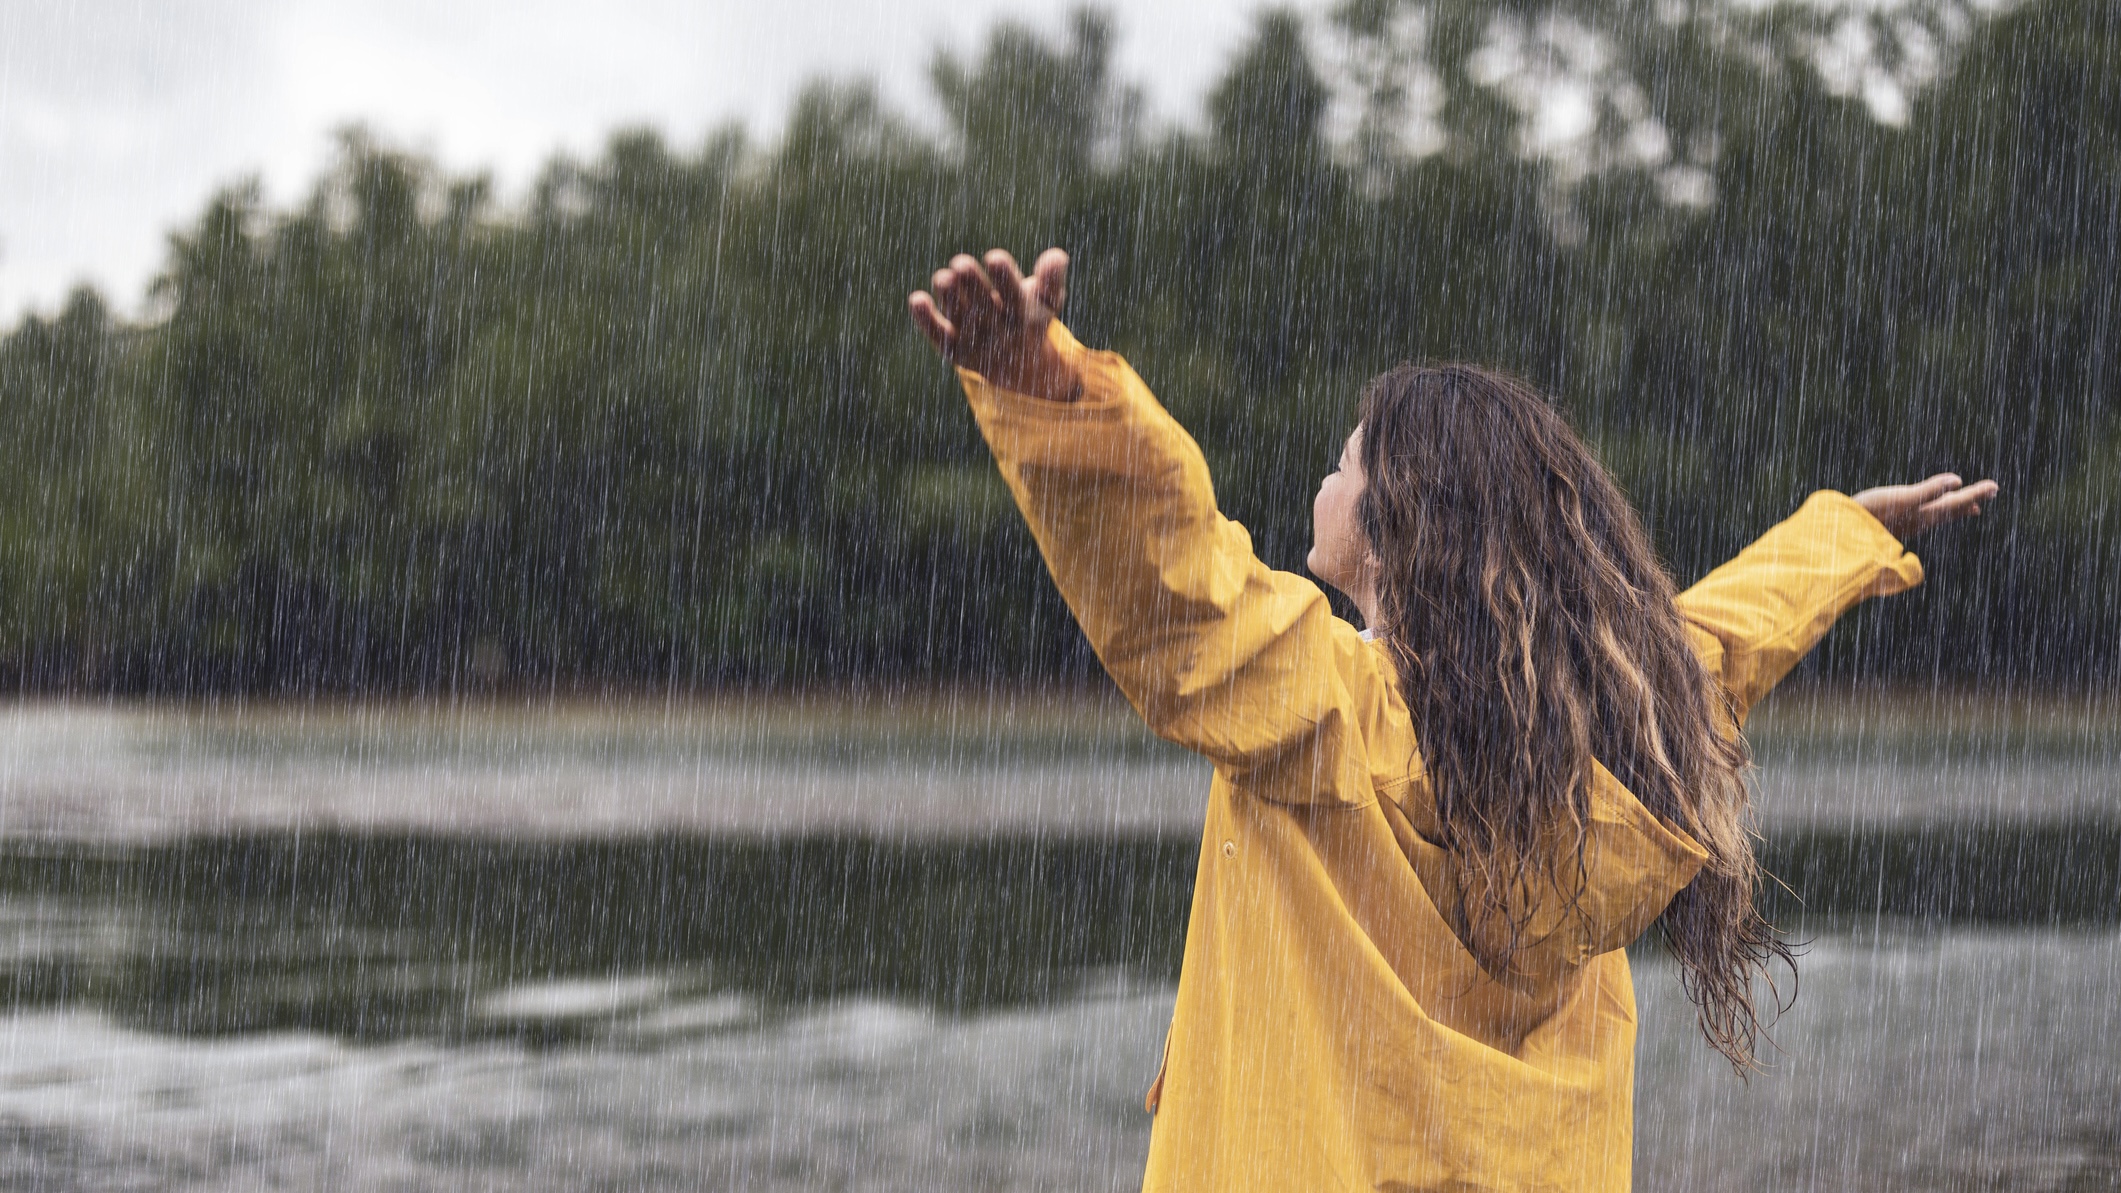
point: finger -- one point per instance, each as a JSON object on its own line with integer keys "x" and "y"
{"x": 921, "y": 305}
{"x": 1896, "y": 501}
{"x": 1923, "y": 492}
{"x": 972, "y": 276}
{"x": 1954, "y": 506}
{"x": 1964, "y": 496}
{"x": 1951, "y": 502}
{"x": 972, "y": 298}
{"x": 1008, "y": 284}
{"x": 959, "y": 294}
{"x": 1050, "y": 278}
{"x": 1978, "y": 495}
{"x": 949, "y": 302}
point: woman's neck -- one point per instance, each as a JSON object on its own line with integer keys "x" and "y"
{"x": 1363, "y": 595}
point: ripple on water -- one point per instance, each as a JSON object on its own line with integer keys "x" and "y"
{"x": 1916, "y": 1058}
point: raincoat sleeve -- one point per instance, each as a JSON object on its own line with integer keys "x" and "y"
{"x": 1755, "y": 617}
{"x": 1219, "y": 653}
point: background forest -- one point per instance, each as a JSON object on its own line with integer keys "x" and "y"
{"x": 664, "y": 422}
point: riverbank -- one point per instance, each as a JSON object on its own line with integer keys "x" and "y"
{"x": 932, "y": 764}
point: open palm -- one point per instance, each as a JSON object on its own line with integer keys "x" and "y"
{"x": 988, "y": 317}
{"x": 1908, "y": 510}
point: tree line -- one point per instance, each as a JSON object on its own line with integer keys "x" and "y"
{"x": 663, "y": 423}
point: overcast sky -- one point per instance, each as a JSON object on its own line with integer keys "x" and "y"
{"x": 118, "y": 117}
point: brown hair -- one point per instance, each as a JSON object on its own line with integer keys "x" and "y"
{"x": 1536, "y": 632}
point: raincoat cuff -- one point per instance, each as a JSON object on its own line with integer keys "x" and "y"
{"x": 1113, "y": 426}
{"x": 1898, "y": 568}
{"x": 1103, "y": 377}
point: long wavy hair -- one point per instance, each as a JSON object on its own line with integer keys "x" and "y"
{"x": 1536, "y": 632}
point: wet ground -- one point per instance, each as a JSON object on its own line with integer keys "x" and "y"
{"x": 929, "y": 945}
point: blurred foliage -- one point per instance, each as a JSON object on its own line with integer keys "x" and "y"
{"x": 664, "y": 422}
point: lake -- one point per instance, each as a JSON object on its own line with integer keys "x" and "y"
{"x": 925, "y": 941}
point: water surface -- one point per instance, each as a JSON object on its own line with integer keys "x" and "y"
{"x": 929, "y": 943}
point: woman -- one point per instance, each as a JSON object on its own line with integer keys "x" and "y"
{"x": 1428, "y": 843}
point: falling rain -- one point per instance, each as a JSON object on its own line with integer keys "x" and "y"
{"x": 547, "y": 688}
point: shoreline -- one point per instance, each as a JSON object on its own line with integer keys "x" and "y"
{"x": 926, "y": 765}
{"x": 1793, "y": 701}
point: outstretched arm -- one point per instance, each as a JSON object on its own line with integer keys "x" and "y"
{"x": 1218, "y": 652}
{"x": 1755, "y": 617}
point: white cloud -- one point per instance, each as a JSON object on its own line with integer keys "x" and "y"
{"x": 118, "y": 117}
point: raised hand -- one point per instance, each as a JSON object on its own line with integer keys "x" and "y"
{"x": 990, "y": 318}
{"x": 1908, "y": 510}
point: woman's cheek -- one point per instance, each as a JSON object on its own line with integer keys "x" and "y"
{"x": 1320, "y": 558}
{"x": 1329, "y": 528}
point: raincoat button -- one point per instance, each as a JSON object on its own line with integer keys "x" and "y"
{"x": 1229, "y": 849}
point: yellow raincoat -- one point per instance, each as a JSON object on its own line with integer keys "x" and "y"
{"x": 1331, "y": 1032}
